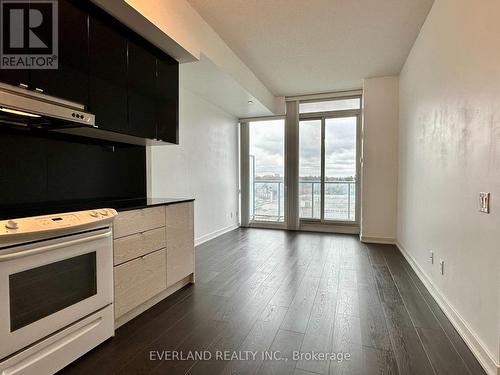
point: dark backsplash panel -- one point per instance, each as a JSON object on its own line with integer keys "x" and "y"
{"x": 40, "y": 171}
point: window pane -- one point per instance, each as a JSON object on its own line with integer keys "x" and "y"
{"x": 340, "y": 169}
{"x": 267, "y": 141}
{"x": 330, "y": 105}
{"x": 310, "y": 169}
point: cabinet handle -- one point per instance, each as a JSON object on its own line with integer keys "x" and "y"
{"x": 39, "y": 90}
{"x": 23, "y": 85}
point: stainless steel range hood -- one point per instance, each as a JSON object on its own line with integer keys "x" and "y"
{"x": 23, "y": 107}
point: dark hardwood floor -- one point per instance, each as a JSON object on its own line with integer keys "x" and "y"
{"x": 263, "y": 290}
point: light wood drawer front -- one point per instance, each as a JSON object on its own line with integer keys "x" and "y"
{"x": 136, "y": 221}
{"x": 139, "y": 280}
{"x": 180, "y": 241}
{"x": 136, "y": 245}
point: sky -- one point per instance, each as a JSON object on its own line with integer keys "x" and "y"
{"x": 267, "y": 146}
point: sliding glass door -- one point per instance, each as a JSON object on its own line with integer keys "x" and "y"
{"x": 267, "y": 170}
{"x": 340, "y": 169}
{"x": 310, "y": 169}
{"x": 328, "y": 168}
{"x": 318, "y": 151}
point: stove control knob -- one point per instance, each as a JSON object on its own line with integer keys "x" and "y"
{"x": 11, "y": 224}
{"x": 104, "y": 212}
{"x": 94, "y": 213}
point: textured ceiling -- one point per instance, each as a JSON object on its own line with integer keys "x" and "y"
{"x": 310, "y": 46}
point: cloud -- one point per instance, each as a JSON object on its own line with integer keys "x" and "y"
{"x": 267, "y": 146}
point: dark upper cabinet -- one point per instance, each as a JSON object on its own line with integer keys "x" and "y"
{"x": 15, "y": 77}
{"x": 142, "y": 117}
{"x": 129, "y": 84}
{"x": 167, "y": 100}
{"x": 107, "y": 73}
{"x": 71, "y": 80}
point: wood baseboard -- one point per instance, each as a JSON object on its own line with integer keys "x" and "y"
{"x": 473, "y": 341}
{"x": 381, "y": 240}
{"x": 217, "y": 233}
{"x": 329, "y": 228}
{"x": 153, "y": 301}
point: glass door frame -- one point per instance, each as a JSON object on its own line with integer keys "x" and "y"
{"x": 323, "y": 116}
{"x": 245, "y": 184}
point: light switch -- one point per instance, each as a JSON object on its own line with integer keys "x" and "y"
{"x": 484, "y": 202}
{"x": 441, "y": 266}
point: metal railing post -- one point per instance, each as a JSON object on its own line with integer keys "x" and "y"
{"x": 348, "y": 200}
{"x": 253, "y": 183}
{"x": 312, "y": 199}
{"x": 279, "y": 200}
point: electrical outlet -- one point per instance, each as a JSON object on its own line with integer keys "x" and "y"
{"x": 431, "y": 257}
{"x": 441, "y": 266}
{"x": 484, "y": 202}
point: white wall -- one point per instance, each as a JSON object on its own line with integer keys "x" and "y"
{"x": 449, "y": 151}
{"x": 204, "y": 165}
{"x": 380, "y": 159}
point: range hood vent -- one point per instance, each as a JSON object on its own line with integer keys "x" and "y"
{"x": 20, "y": 107}
{"x": 23, "y": 107}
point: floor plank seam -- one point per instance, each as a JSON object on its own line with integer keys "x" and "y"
{"x": 440, "y": 325}
{"x": 411, "y": 319}
{"x": 379, "y": 296}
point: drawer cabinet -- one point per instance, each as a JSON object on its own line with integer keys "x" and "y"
{"x": 139, "y": 280}
{"x": 137, "y": 221}
{"x": 139, "y": 244}
{"x": 153, "y": 256}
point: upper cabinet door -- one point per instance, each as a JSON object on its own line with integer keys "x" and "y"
{"x": 108, "y": 74}
{"x": 70, "y": 81}
{"x": 15, "y": 77}
{"x": 168, "y": 100}
{"x": 141, "y": 92}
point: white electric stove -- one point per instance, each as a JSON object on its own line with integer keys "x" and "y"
{"x": 56, "y": 289}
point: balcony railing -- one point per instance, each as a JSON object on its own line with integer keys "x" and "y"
{"x": 267, "y": 200}
{"x": 340, "y": 200}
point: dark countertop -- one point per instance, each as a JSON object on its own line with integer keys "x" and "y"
{"x": 134, "y": 204}
{"x": 48, "y": 208}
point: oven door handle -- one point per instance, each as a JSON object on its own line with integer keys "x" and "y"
{"x": 43, "y": 249}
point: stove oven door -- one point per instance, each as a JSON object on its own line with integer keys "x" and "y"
{"x": 48, "y": 285}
